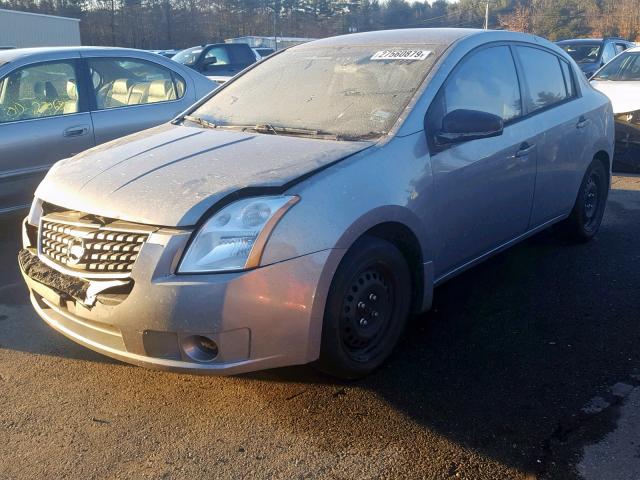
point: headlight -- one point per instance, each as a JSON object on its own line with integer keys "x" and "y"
{"x": 234, "y": 238}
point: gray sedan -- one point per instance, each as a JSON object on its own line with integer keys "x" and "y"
{"x": 272, "y": 225}
{"x": 57, "y": 102}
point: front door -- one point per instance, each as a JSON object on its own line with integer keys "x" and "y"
{"x": 43, "y": 119}
{"x": 483, "y": 188}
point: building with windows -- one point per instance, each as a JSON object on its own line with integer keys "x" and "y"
{"x": 23, "y": 29}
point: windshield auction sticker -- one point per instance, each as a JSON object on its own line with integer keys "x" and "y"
{"x": 401, "y": 55}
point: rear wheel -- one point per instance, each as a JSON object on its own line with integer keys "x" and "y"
{"x": 586, "y": 216}
{"x": 367, "y": 309}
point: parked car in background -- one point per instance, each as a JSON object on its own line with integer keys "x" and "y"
{"x": 56, "y": 102}
{"x": 165, "y": 53}
{"x": 264, "y": 52}
{"x": 620, "y": 81}
{"x": 592, "y": 53}
{"x": 272, "y": 225}
{"x": 218, "y": 61}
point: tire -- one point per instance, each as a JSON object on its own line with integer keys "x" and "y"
{"x": 586, "y": 217}
{"x": 366, "y": 310}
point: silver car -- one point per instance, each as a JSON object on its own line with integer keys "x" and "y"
{"x": 56, "y": 102}
{"x": 302, "y": 211}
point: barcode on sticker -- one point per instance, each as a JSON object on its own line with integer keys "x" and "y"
{"x": 401, "y": 55}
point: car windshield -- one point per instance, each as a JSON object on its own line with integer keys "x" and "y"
{"x": 625, "y": 67}
{"x": 583, "y": 52}
{"x": 345, "y": 91}
{"x": 189, "y": 56}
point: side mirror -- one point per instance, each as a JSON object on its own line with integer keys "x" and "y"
{"x": 464, "y": 125}
{"x": 209, "y": 61}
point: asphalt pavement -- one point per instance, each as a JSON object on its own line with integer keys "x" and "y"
{"x": 527, "y": 367}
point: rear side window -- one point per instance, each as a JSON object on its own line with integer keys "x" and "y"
{"x": 121, "y": 82}
{"x": 485, "y": 81}
{"x": 608, "y": 53}
{"x": 242, "y": 55}
{"x": 544, "y": 78}
{"x": 568, "y": 79}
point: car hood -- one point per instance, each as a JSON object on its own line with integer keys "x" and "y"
{"x": 624, "y": 96}
{"x": 171, "y": 175}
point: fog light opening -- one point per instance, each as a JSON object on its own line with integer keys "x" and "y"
{"x": 200, "y": 348}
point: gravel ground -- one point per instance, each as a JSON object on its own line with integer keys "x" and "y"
{"x": 515, "y": 373}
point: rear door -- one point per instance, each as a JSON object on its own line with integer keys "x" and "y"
{"x": 484, "y": 188}
{"x": 133, "y": 94}
{"x": 558, "y": 117}
{"x": 43, "y": 118}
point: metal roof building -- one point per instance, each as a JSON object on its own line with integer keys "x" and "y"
{"x": 23, "y": 29}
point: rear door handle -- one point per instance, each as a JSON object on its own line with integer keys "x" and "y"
{"x": 77, "y": 131}
{"x": 582, "y": 122}
{"x": 525, "y": 150}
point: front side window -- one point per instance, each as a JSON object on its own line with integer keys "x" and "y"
{"x": 543, "y": 76}
{"x": 215, "y": 57}
{"x": 188, "y": 57}
{"x": 121, "y": 82}
{"x": 625, "y": 67}
{"x": 39, "y": 91}
{"x": 486, "y": 82}
{"x": 347, "y": 91}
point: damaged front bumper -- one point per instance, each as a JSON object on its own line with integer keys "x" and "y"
{"x": 627, "y": 153}
{"x": 263, "y": 318}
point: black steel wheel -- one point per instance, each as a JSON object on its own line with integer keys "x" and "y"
{"x": 366, "y": 310}
{"x": 588, "y": 211}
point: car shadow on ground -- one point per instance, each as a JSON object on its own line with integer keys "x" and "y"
{"x": 514, "y": 348}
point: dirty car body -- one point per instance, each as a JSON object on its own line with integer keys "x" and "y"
{"x": 222, "y": 242}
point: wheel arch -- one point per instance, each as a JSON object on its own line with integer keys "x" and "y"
{"x": 604, "y": 157}
{"x": 402, "y": 228}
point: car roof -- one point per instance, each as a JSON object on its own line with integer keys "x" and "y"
{"x": 19, "y": 53}
{"x": 592, "y": 40}
{"x": 437, "y": 36}
{"x": 581, "y": 40}
{"x": 417, "y": 36}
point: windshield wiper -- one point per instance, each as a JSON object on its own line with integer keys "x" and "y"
{"x": 200, "y": 121}
{"x": 267, "y": 128}
{"x": 360, "y": 138}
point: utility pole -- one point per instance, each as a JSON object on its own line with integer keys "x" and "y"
{"x": 275, "y": 30}
{"x": 486, "y": 17}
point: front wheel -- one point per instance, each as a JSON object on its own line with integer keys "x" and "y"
{"x": 586, "y": 216}
{"x": 367, "y": 309}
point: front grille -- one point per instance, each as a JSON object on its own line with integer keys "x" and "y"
{"x": 80, "y": 244}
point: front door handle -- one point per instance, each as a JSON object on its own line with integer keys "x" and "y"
{"x": 582, "y": 122}
{"x": 525, "y": 150}
{"x": 77, "y": 131}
